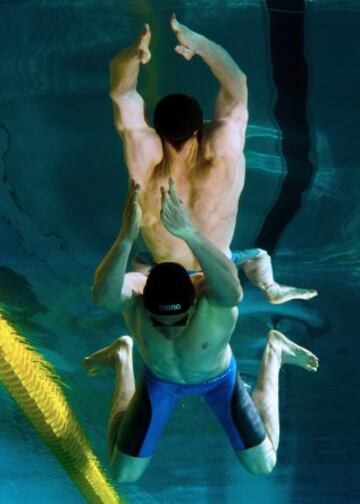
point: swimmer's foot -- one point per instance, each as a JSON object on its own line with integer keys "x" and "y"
{"x": 143, "y": 42}
{"x": 109, "y": 356}
{"x": 277, "y": 294}
{"x": 291, "y": 353}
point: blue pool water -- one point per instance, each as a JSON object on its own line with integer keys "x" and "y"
{"x": 62, "y": 188}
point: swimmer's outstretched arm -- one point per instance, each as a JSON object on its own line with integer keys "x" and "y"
{"x": 233, "y": 95}
{"x": 108, "y": 289}
{"x": 142, "y": 146}
{"x": 125, "y": 66}
{"x": 221, "y": 274}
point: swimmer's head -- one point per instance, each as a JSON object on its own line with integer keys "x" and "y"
{"x": 168, "y": 290}
{"x": 177, "y": 118}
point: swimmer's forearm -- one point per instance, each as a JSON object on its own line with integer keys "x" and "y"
{"x": 124, "y": 71}
{"x": 224, "y": 68}
{"x": 110, "y": 274}
{"x": 220, "y": 272}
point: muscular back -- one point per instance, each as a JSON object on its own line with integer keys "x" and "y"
{"x": 210, "y": 176}
{"x": 208, "y": 172}
{"x": 209, "y": 181}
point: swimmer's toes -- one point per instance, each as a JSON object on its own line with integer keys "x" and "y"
{"x": 90, "y": 369}
{"x": 310, "y": 293}
{"x": 302, "y": 357}
{"x": 314, "y": 362}
{"x": 312, "y": 367}
{"x": 93, "y": 371}
{"x": 291, "y": 353}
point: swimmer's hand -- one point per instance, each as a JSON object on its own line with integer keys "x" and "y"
{"x": 174, "y": 214}
{"x": 142, "y": 45}
{"x": 189, "y": 41}
{"x": 132, "y": 214}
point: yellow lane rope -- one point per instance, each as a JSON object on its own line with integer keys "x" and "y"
{"x": 34, "y": 385}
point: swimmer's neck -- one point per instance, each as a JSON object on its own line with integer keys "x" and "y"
{"x": 186, "y": 153}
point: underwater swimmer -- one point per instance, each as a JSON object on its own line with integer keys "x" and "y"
{"x": 205, "y": 159}
{"x": 183, "y": 325}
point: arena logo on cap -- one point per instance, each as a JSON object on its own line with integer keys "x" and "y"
{"x": 170, "y": 307}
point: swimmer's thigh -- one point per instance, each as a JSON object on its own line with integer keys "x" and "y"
{"x": 258, "y": 455}
{"x": 240, "y": 418}
{"x": 140, "y": 430}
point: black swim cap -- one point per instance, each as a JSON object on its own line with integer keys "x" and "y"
{"x": 168, "y": 290}
{"x": 177, "y": 117}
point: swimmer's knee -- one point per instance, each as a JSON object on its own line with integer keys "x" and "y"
{"x": 127, "y": 477}
{"x": 259, "y": 460}
{"x": 126, "y": 468}
{"x": 260, "y": 466}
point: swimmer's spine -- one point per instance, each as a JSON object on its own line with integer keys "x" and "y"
{"x": 32, "y": 383}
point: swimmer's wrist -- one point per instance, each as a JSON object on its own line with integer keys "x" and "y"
{"x": 190, "y": 234}
{"x": 199, "y": 45}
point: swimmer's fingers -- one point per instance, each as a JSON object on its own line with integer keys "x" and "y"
{"x": 172, "y": 192}
{"x": 166, "y": 205}
{"x": 174, "y": 23}
{"x": 164, "y": 212}
{"x": 189, "y": 41}
{"x": 143, "y": 42}
{"x": 134, "y": 186}
{"x": 168, "y": 199}
{"x": 132, "y": 212}
{"x": 133, "y": 194}
{"x": 134, "y": 220}
{"x": 185, "y": 52}
{"x": 174, "y": 215}
{"x": 163, "y": 198}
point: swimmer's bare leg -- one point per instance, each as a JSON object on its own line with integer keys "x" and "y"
{"x": 261, "y": 459}
{"x": 118, "y": 356}
{"x": 125, "y": 468}
{"x": 258, "y": 270}
{"x": 124, "y": 67}
{"x": 278, "y": 351}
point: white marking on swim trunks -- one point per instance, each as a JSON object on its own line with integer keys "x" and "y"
{"x": 213, "y": 380}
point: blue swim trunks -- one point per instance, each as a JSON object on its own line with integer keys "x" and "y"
{"x": 155, "y": 399}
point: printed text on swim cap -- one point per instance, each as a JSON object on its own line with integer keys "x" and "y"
{"x": 170, "y": 307}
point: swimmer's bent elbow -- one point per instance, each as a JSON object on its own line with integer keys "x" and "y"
{"x": 240, "y": 296}
{"x": 232, "y": 299}
{"x": 103, "y": 300}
